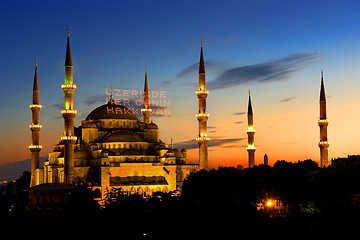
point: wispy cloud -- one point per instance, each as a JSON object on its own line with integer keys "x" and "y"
{"x": 270, "y": 71}
{"x": 239, "y": 113}
{"x": 191, "y": 144}
{"x": 287, "y": 99}
{"x": 211, "y": 66}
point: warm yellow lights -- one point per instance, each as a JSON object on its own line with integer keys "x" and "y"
{"x": 146, "y": 110}
{"x": 323, "y": 122}
{"x": 69, "y": 86}
{"x": 72, "y": 111}
{"x": 203, "y": 138}
{"x": 35, "y": 106}
{"x": 269, "y": 203}
{"x": 324, "y": 143}
{"x": 250, "y": 130}
{"x": 35, "y": 126}
{"x": 35, "y": 146}
{"x": 251, "y": 148}
{"x": 202, "y": 115}
{"x": 202, "y": 92}
{"x": 68, "y": 138}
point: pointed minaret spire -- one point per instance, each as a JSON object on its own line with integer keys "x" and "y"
{"x": 251, "y": 132}
{"x": 68, "y": 114}
{"x": 322, "y": 88}
{"x": 68, "y": 58}
{"x": 201, "y": 63}
{"x": 202, "y": 116}
{"x": 35, "y": 128}
{"x": 146, "y": 111}
{"x": 323, "y": 124}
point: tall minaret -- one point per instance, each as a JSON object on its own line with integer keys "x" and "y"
{"x": 35, "y": 128}
{"x": 146, "y": 111}
{"x": 202, "y": 116}
{"x": 68, "y": 114}
{"x": 323, "y": 123}
{"x": 251, "y": 132}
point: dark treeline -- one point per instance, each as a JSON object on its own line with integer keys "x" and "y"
{"x": 227, "y": 203}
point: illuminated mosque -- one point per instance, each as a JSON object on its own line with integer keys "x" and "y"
{"x": 112, "y": 149}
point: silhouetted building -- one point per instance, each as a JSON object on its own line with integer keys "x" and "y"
{"x": 349, "y": 161}
{"x": 266, "y": 160}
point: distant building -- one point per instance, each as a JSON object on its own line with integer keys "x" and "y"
{"x": 266, "y": 160}
{"x": 349, "y": 161}
{"x": 240, "y": 167}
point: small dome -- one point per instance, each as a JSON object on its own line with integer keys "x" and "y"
{"x": 152, "y": 126}
{"x": 176, "y": 153}
{"x": 131, "y": 152}
{"x": 111, "y": 111}
{"x": 183, "y": 150}
{"x": 123, "y": 136}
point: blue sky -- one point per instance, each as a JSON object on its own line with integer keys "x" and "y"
{"x": 113, "y": 41}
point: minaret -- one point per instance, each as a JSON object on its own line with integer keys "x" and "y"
{"x": 251, "y": 132}
{"x": 68, "y": 114}
{"x": 323, "y": 123}
{"x": 146, "y": 111}
{"x": 35, "y": 128}
{"x": 202, "y": 116}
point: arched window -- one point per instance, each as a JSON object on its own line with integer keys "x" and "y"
{"x": 97, "y": 193}
{"x": 147, "y": 192}
{"x": 140, "y": 191}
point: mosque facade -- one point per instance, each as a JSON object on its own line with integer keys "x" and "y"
{"x": 111, "y": 150}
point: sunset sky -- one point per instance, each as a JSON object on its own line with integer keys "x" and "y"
{"x": 275, "y": 48}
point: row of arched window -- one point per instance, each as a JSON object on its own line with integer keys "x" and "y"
{"x": 146, "y": 192}
{"x": 124, "y": 145}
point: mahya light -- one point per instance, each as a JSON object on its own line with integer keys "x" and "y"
{"x": 323, "y": 123}
{"x": 202, "y": 116}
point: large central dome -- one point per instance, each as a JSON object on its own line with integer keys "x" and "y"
{"x": 111, "y": 111}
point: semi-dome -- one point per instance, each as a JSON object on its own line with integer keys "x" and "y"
{"x": 123, "y": 136}
{"x": 111, "y": 111}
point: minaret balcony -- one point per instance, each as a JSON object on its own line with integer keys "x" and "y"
{"x": 143, "y": 110}
{"x": 35, "y": 106}
{"x": 68, "y": 86}
{"x": 323, "y": 144}
{"x": 202, "y": 139}
{"x": 251, "y": 148}
{"x": 202, "y": 93}
{"x": 68, "y": 138}
{"x": 250, "y": 130}
{"x": 202, "y": 116}
{"x": 35, "y": 147}
{"x": 35, "y": 127}
{"x": 68, "y": 113}
{"x": 323, "y": 122}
